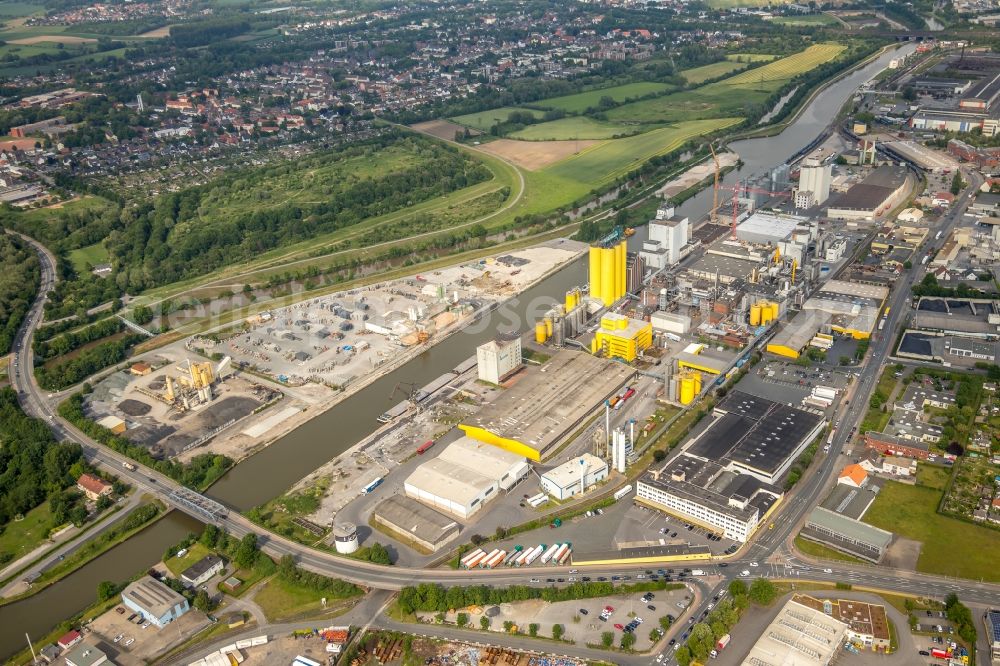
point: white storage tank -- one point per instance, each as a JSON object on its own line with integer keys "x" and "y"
{"x": 345, "y": 537}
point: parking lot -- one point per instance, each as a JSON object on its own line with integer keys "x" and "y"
{"x": 136, "y": 643}
{"x": 582, "y": 618}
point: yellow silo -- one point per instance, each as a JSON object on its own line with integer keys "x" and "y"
{"x": 620, "y": 260}
{"x": 687, "y": 389}
{"x": 548, "y": 327}
{"x": 608, "y": 275}
{"x": 206, "y": 374}
{"x": 540, "y": 336}
{"x": 755, "y": 314}
{"x": 570, "y": 300}
{"x": 697, "y": 382}
{"x": 595, "y": 272}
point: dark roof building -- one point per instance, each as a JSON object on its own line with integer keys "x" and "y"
{"x": 202, "y": 570}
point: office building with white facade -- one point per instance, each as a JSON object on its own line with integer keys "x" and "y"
{"x": 574, "y": 476}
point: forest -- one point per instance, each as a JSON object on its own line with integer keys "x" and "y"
{"x": 34, "y": 466}
{"x": 18, "y": 285}
{"x": 189, "y": 233}
{"x": 74, "y": 370}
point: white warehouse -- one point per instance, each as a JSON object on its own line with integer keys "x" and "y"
{"x": 499, "y": 359}
{"x": 566, "y": 480}
{"x": 465, "y": 476}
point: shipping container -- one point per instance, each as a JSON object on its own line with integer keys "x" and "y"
{"x": 423, "y": 447}
{"x": 547, "y": 555}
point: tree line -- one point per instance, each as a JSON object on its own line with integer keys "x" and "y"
{"x": 46, "y": 349}
{"x": 18, "y": 286}
{"x": 73, "y": 371}
{"x": 436, "y": 598}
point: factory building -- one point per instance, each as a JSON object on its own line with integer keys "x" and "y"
{"x": 622, "y": 337}
{"x": 155, "y": 601}
{"x": 705, "y": 494}
{"x": 814, "y": 182}
{"x": 668, "y": 235}
{"x": 532, "y": 417}
{"x": 670, "y": 322}
{"x": 86, "y": 654}
{"x": 983, "y": 95}
{"x": 607, "y": 269}
{"x": 955, "y": 121}
{"x": 766, "y": 228}
{"x": 846, "y": 534}
{"x": 697, "y": 356}
{"x": 574, "y": 476}
{"x": 465, "y": 476}
{"x": 498, "y": 359}
{"x": 418, "y": 523}
{"x": 875, "y": 195}
{"x": 798, "y": 635}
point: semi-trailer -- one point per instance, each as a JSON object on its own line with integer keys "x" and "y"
{"x": 522, "y": 556}
{"x": 547, "y": 555}
{"x": 476, "y": 561}
{"x": 565, "y": 556}
{"x": 534, "y": 555}
{"x": 495, "y": 560}
{"x": 559, "y": 553}
{"x": 512, "y": 554}
{"x": 469, "y": 556}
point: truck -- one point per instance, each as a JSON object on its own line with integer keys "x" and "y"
{"x": 623, "y": 492}
{"x": 129, "y": 466}
{"x": 673, "y": 336}
{"x": 698, "y": 572}
{"x": 938, "y": 653}
{"x": 372, "y": 486}
{"x": 423, "y": 447}
{"x": 924, "y": 260}
{"x": 629, "y": 392}
{"x": 721, "y": 644}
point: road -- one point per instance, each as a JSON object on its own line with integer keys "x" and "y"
{"x": 770, "y": 545}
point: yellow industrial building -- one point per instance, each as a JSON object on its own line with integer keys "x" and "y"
{"x": 607, "y": 271}
{"x": 622, "y": 337}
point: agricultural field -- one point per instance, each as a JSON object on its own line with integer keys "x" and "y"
{"x": 751, "y": 57}
{"x": 580, "y": 102}
{"x": 536, "y": 155}
{"x": 574, "y": 127}
{"x": 729, "y": 97}
{"x": 484, "y": 120}
{"x": 714, "y": 70}
{"x": 732, "y": 4}
{"x": 609, "y": 160}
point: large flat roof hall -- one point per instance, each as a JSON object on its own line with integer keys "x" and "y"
{"x": 545, "y": 404}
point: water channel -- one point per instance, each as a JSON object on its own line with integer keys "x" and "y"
{"x": 275, "y": 469}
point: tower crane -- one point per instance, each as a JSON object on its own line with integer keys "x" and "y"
{"x": 741, "y": 188}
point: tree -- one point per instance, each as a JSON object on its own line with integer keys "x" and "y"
{"x": 379, "y": 554}
{"x": 209, "y": 536}
{"x": 484, "y": 623}
{"x": 956, "y": 183}
{"x": 628, "y": 640}
{"x": 106, "y": 589}
{"x": 202, "y": 601}
{"x": 508, "y": 626}
{"x": 103, "y": 502}
{"x": 246, "y": 553}
{"x": 533, "y": 629}
{"x": 557, "y": 631}
{"x": 683, "y": 655}
{"x": 907, "y": 264}
{"x": 737, "y": 588}
{"x": 607, "y": 638}
{"x": 462, "y": 619}
{"x": 762, "y": 592}
{"x": 665, "y": 622}
{"x": 654, "y": 635}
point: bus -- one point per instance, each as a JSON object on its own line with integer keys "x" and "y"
{"x": 372, "y": 486}
{"x": 623, "y": 492}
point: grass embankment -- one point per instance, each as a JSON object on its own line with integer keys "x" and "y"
{"x": 140, "y": 518}
{"x": 21, "y": 537}
{"x": 573, "y": 127}
{"x": 875, "y": 418}
{"x": 951, "y": 547}
{"x": 177, "y": 565}
{"x": 591, "y": 99}
{"x": 807, "y": 547}
{"x": 484, "y": 120}
{"x": 282, "y": 600}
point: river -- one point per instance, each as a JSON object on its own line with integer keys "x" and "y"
{"x": 276, "y": 468}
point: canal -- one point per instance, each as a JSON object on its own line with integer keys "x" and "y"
{"x": 276, "y": 468}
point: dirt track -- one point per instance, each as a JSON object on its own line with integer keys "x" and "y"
{"x": 56, "y": 39}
